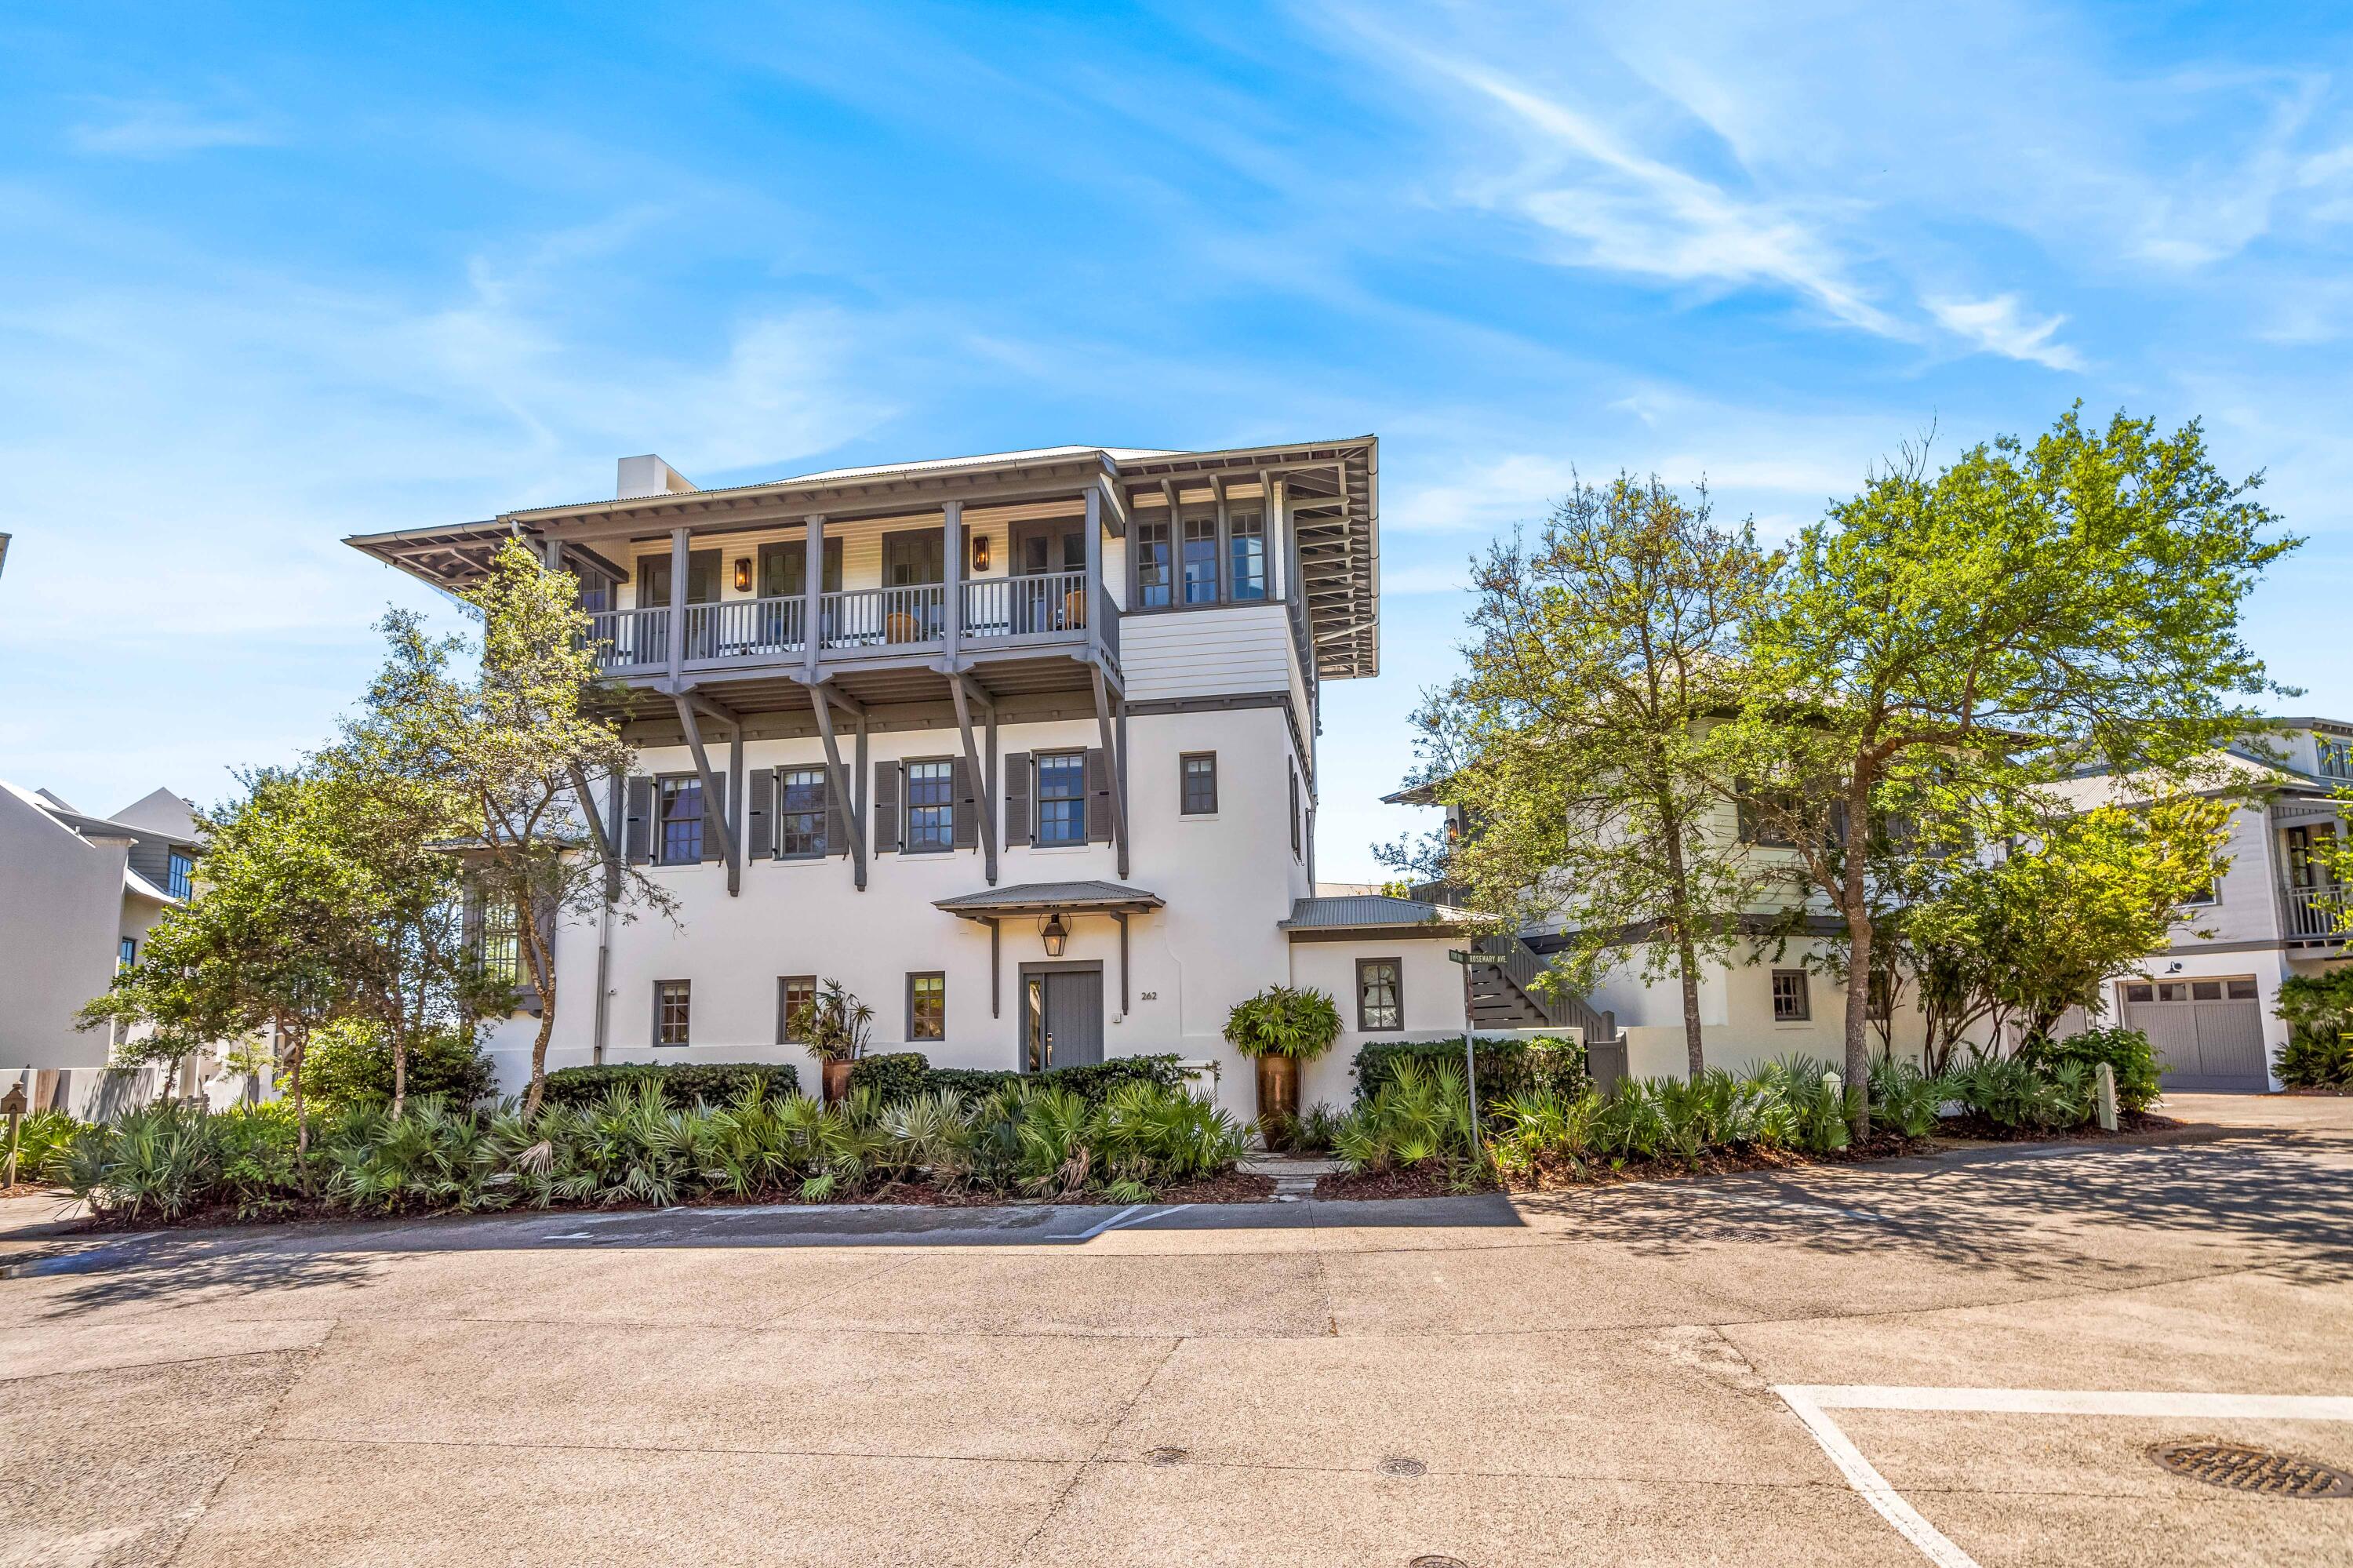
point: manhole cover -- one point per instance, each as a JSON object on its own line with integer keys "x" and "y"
{"x": 1402, "y": 1468}
{"x": 1437, "y": 1563}
{"x": 1165, "y": 1456}
{"x": 2245, "y": 1469}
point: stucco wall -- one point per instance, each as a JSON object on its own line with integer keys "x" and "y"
{"x": 61, "y": 915}
{"x": 1433, "y": 1002}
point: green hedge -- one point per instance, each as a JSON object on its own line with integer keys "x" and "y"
{"x": 903, "y": 1075}
{"x": 1503, "y": 1066}
{"x": 2127, "y": 1052}
{"x": 682, "y": 1083}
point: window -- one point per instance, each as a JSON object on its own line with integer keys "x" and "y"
{"x": 1879, "y": 1003}
{"x": 1380, "y": 993}
{"x": 2242, "y": 989}
{"x": 1152, "y": 583}
{"x": 2173, "y": 991}
{"x": 2140, "y": 994}
{"x": 1789, "y": 1004}
{"x": 1246, "y": 552}
{"x": 2209, "y": 892}
{"x": 1201, "y": 560}
{"x": 126, "y": 955}
{"x": 927, "y": 1006}
{"x": 672, "y": 1004}
{"x": 1061, "y": 798}
{"x": 800, "y": 812}
{"x": 680, "y": 816}
{"x": 1199, "y": 784}
{"x": 181, "y": 874}
{"x": 793, "y": 994}
{"x": 2336, "y": 755}
{"x": 1295, "y": 811}
{"x": 502, "y": 941}
{"x": 930, "y": 807}
{"x": 2205, "y": 991}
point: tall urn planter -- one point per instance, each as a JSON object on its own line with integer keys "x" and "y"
{"x": 835, "y": 1026}
{"x": 1280, "y": 1028}
{"x": 836, "y": 1078}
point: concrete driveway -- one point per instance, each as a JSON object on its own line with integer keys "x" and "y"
{"x": 1745, "y": 1370}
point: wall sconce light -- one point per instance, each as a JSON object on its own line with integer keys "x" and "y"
{"x": 742, "y": 574}
{"x": 980, "y": 552}
{"x": 1056, "y": 936}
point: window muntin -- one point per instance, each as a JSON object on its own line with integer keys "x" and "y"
{"x": 800, "y": 813}
{"x": 1246, "y": 555}
{"x": 673, "y": 1009}
{"x": 127, "y": 954}
{"x": 1197, "y": 784}
{"x": 1061, "y": 798}
{"x": 1152, "y": 579}
{"x": 927, "y": 1006}
{"x": 1790, "y": 1004}
{"x": 680, "y": 813}
{"x": 930, "y": 807}
{"x": 1201, "y": 559}
{"x": 180, "y": 875}
{"x": 1380, "y": 993}
{"x": 793, "y": 994}
{"x": 502, "y": 941}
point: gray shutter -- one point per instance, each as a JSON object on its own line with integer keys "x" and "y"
{"x": 1293, "y": 774}
{"x": 714, "y": 811}
{"x": 639, "y": 832}
{"x": 1098, "y": 796}
{"x": 886, "y": 808}
{"x": 759, "y": 830}
{"x": 1017, "y": 798}
{"x": 967, "y": 804}
{"x": 837, "y": 818}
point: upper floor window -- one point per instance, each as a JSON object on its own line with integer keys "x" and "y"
{"x": 673, "y": 1011}
{"x": 1199, "y": 784}
{"x": 1246, "y": 552}
{"x": 1062, "y": 798}
{"x": 126, "y": 955}
{"x": 502, "y": 941}
{"x": 1201, "y": 560}
{"x": 181, "y": 875}
{"x": 800, "y": 810}
{"x": 930, "y": 807}
{"x": 681, "y": 820}
{"x": 2336, "y": 755}
{"x": 1151, "y": 565}
{"x": 1380, "y": 993}
{"x": 2309, "y": 849}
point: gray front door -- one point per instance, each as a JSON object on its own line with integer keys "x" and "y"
{"x": 1065, "y": 1017}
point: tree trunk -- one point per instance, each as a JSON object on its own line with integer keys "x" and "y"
{"x": 543, "y": 972}
{"x": 301, "y": 1123}
{"x": 399, "y": 1068}
{"x": 1686, "y": 950}
{"x": 1855, "y": 894}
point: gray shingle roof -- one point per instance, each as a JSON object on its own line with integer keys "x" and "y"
{"x": 1040, "y": 896}
{"x": 1368, "y": 909}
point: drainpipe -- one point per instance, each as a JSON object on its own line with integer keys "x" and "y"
{"x": 604, "y": 987}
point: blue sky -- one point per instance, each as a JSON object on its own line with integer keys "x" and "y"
{"x": 270, "y": 275}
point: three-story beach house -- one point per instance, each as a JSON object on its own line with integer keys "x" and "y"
{"x": 1020, "y": 748}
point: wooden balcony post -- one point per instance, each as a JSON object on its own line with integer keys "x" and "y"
{"x": 813, "y": 601}
{"x": 677, "y": 604}
{"x": 952, "y": 558}
{"x": 1094, "y": 595}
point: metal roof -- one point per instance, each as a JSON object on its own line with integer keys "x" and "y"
{"x": 1043, "y": 898}
{"x": 1368, "y": 910}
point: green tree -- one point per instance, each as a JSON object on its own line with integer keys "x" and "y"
{"x": 1576, "y": 739}
{"x": 1947, "y": 642}
{"x": 518, "y": 727}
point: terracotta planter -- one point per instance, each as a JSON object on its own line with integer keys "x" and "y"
{"x": 1278, "y": 1088}
{"x": 836, "y": 1076}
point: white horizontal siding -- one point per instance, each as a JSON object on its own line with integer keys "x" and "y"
{"x": 1205, "y": 652}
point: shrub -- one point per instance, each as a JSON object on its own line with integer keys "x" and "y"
{"x": 2309, "y": 1061}
{"x": 2127, "y": 1052}
{"x": 2318, "y": 1012}
{"x": 350, "y": 1064}
{"x": 1419, "y": 1113}
{"x": 1504, "y": 1067}
{"x": 1281, "y": 1021}
{"x": 893, "y": 1075}
{"x": 1904, "y": 1098}
{"x": 681, "y": 1083}
{"x": 901, "y": 1075}
{"x": 39, "y": 1138}
{"x": 2011, "y": 1093}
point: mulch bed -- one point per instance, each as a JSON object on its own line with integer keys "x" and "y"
{"x": 2319, "y": 1091}
{"x": 1428, "y": 1179}
{"x": 30, "y": 1190}
{"x": 1976, "y": 1128}
{"x": 1554, "y": 1174}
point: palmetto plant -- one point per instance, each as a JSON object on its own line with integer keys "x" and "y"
{"x": 1420, "y": 1113}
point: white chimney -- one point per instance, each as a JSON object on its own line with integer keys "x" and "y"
{"x": 649, "y": 475}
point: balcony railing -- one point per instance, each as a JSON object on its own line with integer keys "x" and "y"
{"x": 2314, "y": 912}
{"x": 745, "y": 628}
{"x": 1025, "y": 607}
{"x": 632, "y": 639}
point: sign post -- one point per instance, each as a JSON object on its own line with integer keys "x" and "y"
{"x": 12, "y": 1105}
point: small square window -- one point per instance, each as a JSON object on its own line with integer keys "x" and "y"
{"x": 672, "y": 1008}
{"x": 2241, "y": 989}
{"x": 1380, "y": 993}
{"x": 794, "y": 992}
{"x": 1061, "y": 798}
{"x": 930, "y": 807}
{"x": 1790, "y": 1004}
{"x": 2205, "y": 991}
{"x": 927, "y": 1006}
{"x": 1200, "y": 783}
{"x": 2140, "y": 994}
{"x": 2172, "y": 990}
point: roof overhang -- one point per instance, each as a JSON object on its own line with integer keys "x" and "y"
{"x": 1050, "y": 898}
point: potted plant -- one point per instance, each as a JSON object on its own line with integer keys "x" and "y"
{"x": 834, "y": 1026}
{"x": 1280, "y": 1028}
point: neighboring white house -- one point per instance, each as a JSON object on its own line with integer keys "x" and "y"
{"x": 77, "y": 894}
{"x": 2206, "y": 1001}
{"x": 1028, "y": 761}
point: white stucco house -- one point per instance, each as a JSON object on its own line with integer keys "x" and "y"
{"x": 1022, "y": 749}
{"x": 77, "y": 894}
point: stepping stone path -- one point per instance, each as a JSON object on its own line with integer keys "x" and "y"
{"x": 1294, "y": 1175}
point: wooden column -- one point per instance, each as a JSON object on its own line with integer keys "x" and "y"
{"x": 813, "y": 603}
{"x": 677, "y": 604}
{"x": 951, "y": 588}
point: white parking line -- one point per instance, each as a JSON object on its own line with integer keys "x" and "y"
{"x": 1812, "y": 1402}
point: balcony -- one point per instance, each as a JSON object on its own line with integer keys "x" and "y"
{"x": 1049, "y": 613}
{"x": 2313, "y": 917}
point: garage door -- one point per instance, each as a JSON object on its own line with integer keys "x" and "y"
{"x": 2209, "y": 1034}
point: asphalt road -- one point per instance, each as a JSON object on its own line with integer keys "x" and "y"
{"x": 1927, "y": 1362}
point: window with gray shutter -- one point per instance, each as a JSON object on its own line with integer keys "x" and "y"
{"x": 715, "y": 810}
{"x": 801, "y": 813}
{"x": 1293, "y": 774}
{"x": 931, "y": 808}
{"x": 1061, "y": 811}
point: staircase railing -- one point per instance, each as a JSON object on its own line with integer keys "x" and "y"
{"x": 1521, "y": 964}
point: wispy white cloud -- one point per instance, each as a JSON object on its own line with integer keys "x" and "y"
{"x": 1999, "y": 325}
{"x": 162, "y": 129}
